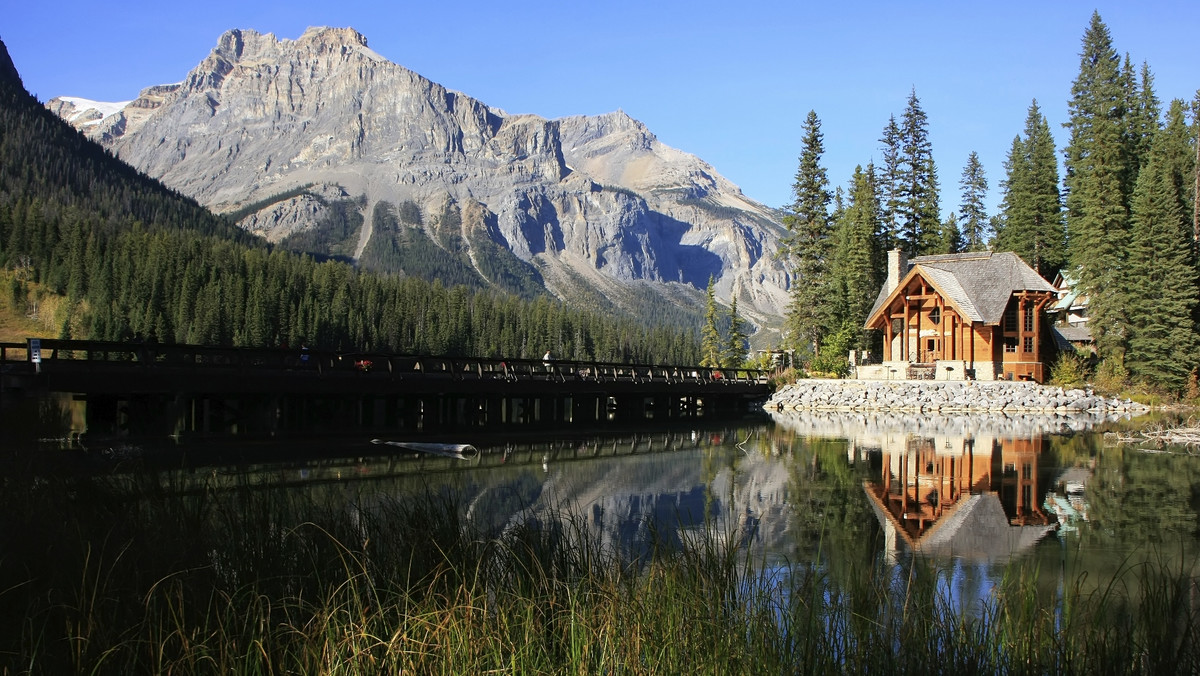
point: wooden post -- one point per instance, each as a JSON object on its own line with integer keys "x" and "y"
{"x": 887, "y": 335}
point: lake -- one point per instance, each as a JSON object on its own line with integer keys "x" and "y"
{"x": 853, "y": 540}
{"x": 977, "y": 490}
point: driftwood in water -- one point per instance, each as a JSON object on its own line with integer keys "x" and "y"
{"x": 460, "y": 451}
{"x": 1186, "y": 435}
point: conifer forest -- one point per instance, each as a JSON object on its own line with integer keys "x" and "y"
{"x": 1121, "y": 221}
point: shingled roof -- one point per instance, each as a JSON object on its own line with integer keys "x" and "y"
{"x": 979, "y": 284}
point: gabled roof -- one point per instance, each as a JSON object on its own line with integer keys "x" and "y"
{"x": 978, "y": 284}
{"x": 1071, "y": 296}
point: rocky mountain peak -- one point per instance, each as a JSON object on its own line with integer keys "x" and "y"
{"x": 586, "y": 204}
{"x": 332, "y": 37}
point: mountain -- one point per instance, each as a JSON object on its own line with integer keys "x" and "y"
{"x": 323, "y": 144}
{"x": 91, "y": 248}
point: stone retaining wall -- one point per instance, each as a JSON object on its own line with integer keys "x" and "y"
{"x": 943, "y": 396}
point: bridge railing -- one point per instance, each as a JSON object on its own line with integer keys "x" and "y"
{"x": 108, "y": 354}
{"x": 13, "y": 352}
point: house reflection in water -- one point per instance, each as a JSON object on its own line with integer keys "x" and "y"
{"x": 974, "y": 497}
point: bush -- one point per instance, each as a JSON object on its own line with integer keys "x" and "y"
{"x": 1070, "y": 370}
{"x": 1112, "y": 376}
{"x": 830, "y": 363}
{"x": 834, "y": 358}
{"x": 786, "y": 376}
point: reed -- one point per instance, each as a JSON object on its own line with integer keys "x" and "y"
{"x": 139, "y": 577}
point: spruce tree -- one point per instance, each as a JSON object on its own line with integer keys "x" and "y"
{"x": 1098, "y": 166}
{"x": 735, "y": 350}
{"x": 1143, "y": 118}
{"x": 948, "y": 238}
{"x": 859, "y": 257}
{"x": 972, "y": 211}
{"x": 710, "y": 335}
{"x": 888, "y": 182}
{"x": 1162, "y": 343}
{"x": 808, "y": 243}
{"x": 1196, "y": 174}
{"x": 918, "y": 211}
{"x": 1032, "y": 224}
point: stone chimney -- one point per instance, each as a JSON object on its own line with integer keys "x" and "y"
{"x": 896, "y": 269}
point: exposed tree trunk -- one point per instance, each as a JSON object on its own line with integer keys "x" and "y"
{"x": 1196, "y": 195}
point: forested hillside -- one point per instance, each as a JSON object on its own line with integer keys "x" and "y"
{"x": 132, "y": 259}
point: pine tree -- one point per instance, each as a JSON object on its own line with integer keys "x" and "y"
{"x": 1098, "y": 166}
{"x": 888, "y": 182}
{"x": 1032, "y": 224}
{"x": 859, "y": 255}
{"x": 949, "y": 238}
{"x": 710, "y": 335}
{"x": 918, "y": 211}
{"x": 973, "y": 214}
{"x": 1144, "y": 116}
{"x": 735, "y": 351}
{"x": 808, "y": 243}
{"x": 1196, "y": 175}
{"x": 1163, "y": 345}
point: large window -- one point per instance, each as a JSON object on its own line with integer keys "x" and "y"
{"x": 1010, "y": 317}
{"x": 1029, "y": 317}
{"x": 1010, "y": 344}
{"x": 1028, "y": 346}
{"x": 935, "y": 315}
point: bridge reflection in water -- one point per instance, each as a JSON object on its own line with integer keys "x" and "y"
{"x": 144, "y": 389}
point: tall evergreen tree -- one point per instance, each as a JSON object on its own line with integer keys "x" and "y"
{"x": 1143, "y": 118}
{"x": 918, "y": 211}
{"x": 948, "y": 238}
{"x": 1196, "y": 174}
{"x": 710, "y": 336}
{"x": 1098, "y": 165}
{"x": 859, "y": 258}
{"x": 974, "y": 224}
{"x": 735, "y": 349}
{"x": 888, "y": 182}
{"x": 1032, "y": 224}
{"x": 1163, "y": 343}
{"x": 808, "y": 243}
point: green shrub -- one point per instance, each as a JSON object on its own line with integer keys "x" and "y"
{"x": 1070, "y": 370}
{"x": 1112, "y": 376}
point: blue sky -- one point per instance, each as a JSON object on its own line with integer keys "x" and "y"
{"x": 730, "y": 82}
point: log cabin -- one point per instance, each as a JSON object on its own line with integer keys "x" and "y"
{"x": 976, "y": 315}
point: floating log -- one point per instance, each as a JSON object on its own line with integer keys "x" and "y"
{"x": 459, "y": 451}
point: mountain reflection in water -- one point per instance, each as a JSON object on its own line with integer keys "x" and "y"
{"x": 981, "y": 487}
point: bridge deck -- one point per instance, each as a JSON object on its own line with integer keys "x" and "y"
{"x": 120, "y": 368}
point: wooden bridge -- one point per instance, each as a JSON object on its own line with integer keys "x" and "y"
{"x": 136, "y": 388}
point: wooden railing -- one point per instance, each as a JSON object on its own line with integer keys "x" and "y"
{"x": 107, "y": 355}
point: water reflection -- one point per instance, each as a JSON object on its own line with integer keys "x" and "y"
{"x": 796, "y": 485}
{"x": 973, "y": 487}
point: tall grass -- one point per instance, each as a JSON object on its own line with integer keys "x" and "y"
{"x": 101, "y": 578}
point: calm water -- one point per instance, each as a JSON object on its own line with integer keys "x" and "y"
{"x": 974, "y": 493}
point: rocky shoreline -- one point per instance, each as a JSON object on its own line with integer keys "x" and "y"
{"x": 943, "y": 396}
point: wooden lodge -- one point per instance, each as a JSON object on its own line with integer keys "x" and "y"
{"x": 974, "y": 315}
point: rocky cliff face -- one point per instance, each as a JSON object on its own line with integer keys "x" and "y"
{"x": 593, "y": 204}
